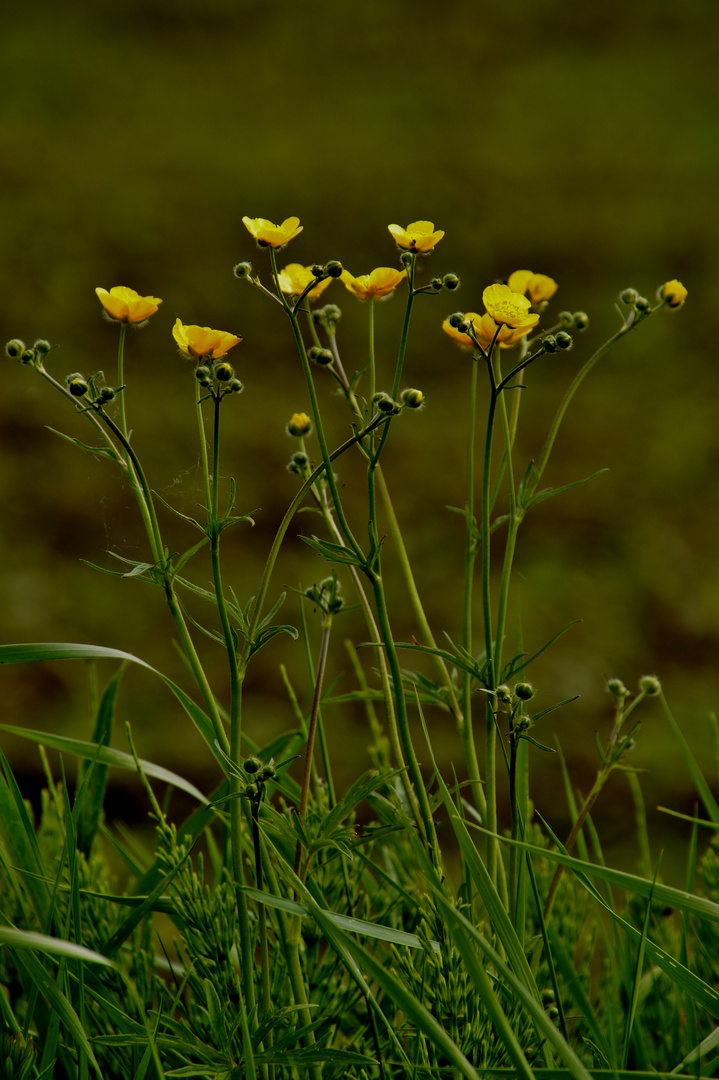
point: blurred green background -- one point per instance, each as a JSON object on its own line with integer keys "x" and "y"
{"x": 580, "y": 141}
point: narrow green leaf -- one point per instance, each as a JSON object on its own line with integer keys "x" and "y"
{"x": 105, "y": 754}
{"x": 710, "y": 804}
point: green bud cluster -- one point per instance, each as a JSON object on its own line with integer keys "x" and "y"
{"x": 299, "y": 464}
{"x": 387, "y": 405}
{"x": 459, "y": 322}
{"x": 412, "y": 399}
{"x": 328, "y": 316}
{"x": 77, "y": 385}
{"x": 323, "y": 357}
{"x": 564, "y": 340}
{"x": 326, "y": 596}
{"x": 15, "y": 348}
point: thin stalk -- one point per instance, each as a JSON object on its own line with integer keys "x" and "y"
{"x": 269, "y": 1070}
{"x": 121, "y": 376}
{"x": 312, "y": 728}
{"x": 405, "y": 327}
{"x": 466, "y": 727}
{"x": 490, "y": 741}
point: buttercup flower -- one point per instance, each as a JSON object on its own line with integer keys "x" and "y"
{"x": 539, "y": 287}
{"x": 267, "y": 234}
{"x": 673, "y": 293}
{"x": 380, "y": 283}
{"x": 127, "y": 306}
{"x": 196, "y": 341}
{"x": 419, "y": 236}
{"x": 485, "y": 329}
{"x": 509, "y": 308}
{"x": 295, "y": 278}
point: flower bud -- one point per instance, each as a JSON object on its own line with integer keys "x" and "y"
{"x": 299, "y": 463}
{"x": 329, "y": 315}
{"x": 106, "y": 395}
{"x": 617, "y": 690}
{"x": 673, "y": 293}
{"x": 267, "y": 772}
{"x": 629, "y": 296}
{"x": 15, "y": 348}
{"x": 299, "y": 425}
{"x": 203, "y": 374}
{"x": 385, "y": 404}
{"x": 320, "y": 356}
{"x": 317, "y": 271}
{"x": 549, "y": 343}
{"x": 504, "y": 694}
{"x": 334, "y": 269}
{"x": 224, "y": 372}
{"x": 242, "y": 270}
{"x": 28, "y": 356}
{"x": 76, "y": 385}
{"x": 650, "y": 685}
{"x": 450, "y": 281}
{"x": 412, "y": 399}
{"x": 566, "y": 318}
{"x": 524, "y": 691}
{"x": 42, "y": 347}
{"x": 235, "y": 386}
{"x": 406, "y": 259}
{"x": 252, "y": 765}
{"x": 581, "y": 320}
{"x": 641, "y": 303}
{"x": 437, "y": 284}
{"x": 564, "y": 340}
{"x": 458, "y": 322}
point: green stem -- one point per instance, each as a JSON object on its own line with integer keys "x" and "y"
{"x": 121, "y": 376}
{"x": 405, "y": 327}
{"x": 312, "y": 728}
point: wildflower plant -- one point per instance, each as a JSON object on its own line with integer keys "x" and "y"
{"x": 304, "y": 943}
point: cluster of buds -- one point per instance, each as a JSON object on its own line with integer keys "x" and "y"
{"x": 80, "y": 387}
{"x": 17, "y": 350}
{"x": 218, "y": 377}
{"x": 513, "y": 701}
{"x": 257, "y": 774}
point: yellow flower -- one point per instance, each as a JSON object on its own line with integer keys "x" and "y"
{"x": 299, "y": 425}
{"x": 197, "y": 341}
{"x": 268, "y": 234}
{"x": 127, "y": 306}
{"x": 380, "y": 283}
{"x": 538, "y": 286}
{"x": 295, "y": 278}
{"x": 419, "y": 236}
{"x": 673, "y": 293}
{"x": 485, "y": 329}
{"x": 509, "y": 308}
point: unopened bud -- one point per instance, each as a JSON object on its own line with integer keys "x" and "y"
{"x": 412, "y": 399}
{"x": 566, "y": 318}
{"x": 267, "y": 772}
{"x": 299, "y": 425}
{"x": 15, "y": 348}
{"x": 549, "y": 343}
{"x": 28, "y": 356}
{"x": 385, "y": 404}
{"x": 641, "y": 303}
{"x": 450, "y": 281}
{"x": 406, "y": 259}
{"x": 673, "y": 293}
{"x": 42, "y": 347}
{"x": 317, "y": 271}
{"x": 650, "y": 685}
{"x": 329, "y": 315}
{"x": 242, "y": 270}
{"x": 299, "y": 463}
{"x": 252, "y": 765}
{"x": 629, "y": 296}
{"x": 458, "y": 322}
{"x": 76, "y": 385}
{"x": 203, "y": 374}
{"x": 564, "y": 340}
{"x": 581, "y": 320}
{"x": 320, "y": 356}
{"x": 618, "y": 690}
{"x": 524, "y": 691}
{"x": 224, "y": 371}
{"x": 437, "y": 284}
{"x": 106, "y": 395}
{"x": 235, "y": 386}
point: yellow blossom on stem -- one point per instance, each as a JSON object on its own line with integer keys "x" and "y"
{"x": 380, "y": 283}
{"x": 126, "y": 306}
{"x": 673, "y": 293}
{"x": 485, "y": 329}
{"x": 509, "y": 308}
{"x": 201, "y": 341}
{"x": 295, "y": 278}
{"x": 267, "y": 234}
{"x": 418, "y": 236}
{"x": 538, "y": 287}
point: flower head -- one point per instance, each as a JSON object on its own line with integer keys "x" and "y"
{"x": 485, "y": 329}
{"x": 126, "y": 306}
{"x": 295, "y": 278}
{"x": 538, "y": 287}
{"x": 267, "y": 234}
{"x": 197, "y": 341}
{"x": 418, "y": 236}
{"x": 509, "y": 308}
{"x": 380, "y": 283}
{"x": 673, "y": 293}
